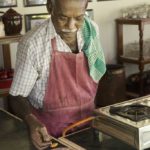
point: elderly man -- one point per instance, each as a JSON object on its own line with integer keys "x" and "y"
{"x": 57, "y": 70}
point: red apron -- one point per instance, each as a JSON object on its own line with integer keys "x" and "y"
{"x": 70, "y": 92}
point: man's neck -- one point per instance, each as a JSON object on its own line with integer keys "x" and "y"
{"x": 72, "y": 43}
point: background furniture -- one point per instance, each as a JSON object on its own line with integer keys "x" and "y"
{"x": 5, "y": 42}
{"x": 111, "y": 88}
{"x": 140, "y": 61}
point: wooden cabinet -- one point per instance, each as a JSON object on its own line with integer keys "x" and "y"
{"x": 140, "y": 61}
{"x": 108, "y": 91}
{"x": 5, "y": 42}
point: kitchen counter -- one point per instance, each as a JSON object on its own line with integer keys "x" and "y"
{"x": 13, "y": 133}
{"x": 88, "y": 139}
{"x": 14, "y": 136}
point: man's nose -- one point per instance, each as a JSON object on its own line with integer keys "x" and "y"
{"x": 71, "y": 23}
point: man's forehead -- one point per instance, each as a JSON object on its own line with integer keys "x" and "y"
{"x": 57, "y": 1}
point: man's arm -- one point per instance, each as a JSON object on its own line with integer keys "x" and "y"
{"x": 20, "y": 107}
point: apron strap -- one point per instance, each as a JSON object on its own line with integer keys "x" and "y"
{"x": 53, "y": 42}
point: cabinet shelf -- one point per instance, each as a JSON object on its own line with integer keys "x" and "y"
{"x": 134, "y": 60}
{"x": 10, "y": 39}
{"x": 4, "y": 92}
{"x": 131, "y": 21}
{"x": 132, "y": 94}
{"x": 5, "y": 42}
{"x": 141, "y": 61}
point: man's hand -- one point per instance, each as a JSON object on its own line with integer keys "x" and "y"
{"x": 38, "y": 132}
{"x": 40, "y": 138}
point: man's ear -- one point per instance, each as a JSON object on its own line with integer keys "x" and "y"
{"x": 49, "y": 6}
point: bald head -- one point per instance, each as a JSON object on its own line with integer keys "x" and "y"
{"x": 67, "y": 16}
{"x": 52, "y": 4}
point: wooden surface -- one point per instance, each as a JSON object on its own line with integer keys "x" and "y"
{"x": 4, "y": 92}
{"x": 133, "y": 21}
{"x": 10, "y": 39}
{"x": 6, "y": 56}
{"x": 14, "y": 134}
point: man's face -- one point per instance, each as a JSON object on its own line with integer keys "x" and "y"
{"x": 68, "y": 16}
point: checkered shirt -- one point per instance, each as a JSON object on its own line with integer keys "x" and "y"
{"x": 33, "y": 62}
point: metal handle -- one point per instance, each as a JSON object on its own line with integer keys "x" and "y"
{"x": 76, "y": 124}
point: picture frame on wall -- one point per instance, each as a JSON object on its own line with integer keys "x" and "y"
{"x": 34, "y": 20}
{"x": 30, "y": 3}
{"x": 8, "y": 3}
{"x": 90, "y": 13}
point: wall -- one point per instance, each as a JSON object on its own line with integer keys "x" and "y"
{"x": 105, "y": 13}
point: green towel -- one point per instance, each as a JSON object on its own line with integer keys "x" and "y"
{"x": 93, "y": 51}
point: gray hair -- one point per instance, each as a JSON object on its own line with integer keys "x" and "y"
{"x": 53, "y": 3}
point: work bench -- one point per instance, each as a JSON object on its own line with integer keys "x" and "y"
{"x": 14, "y": 136}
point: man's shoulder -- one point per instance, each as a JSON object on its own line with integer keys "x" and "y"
{"x": 38, "y": 33}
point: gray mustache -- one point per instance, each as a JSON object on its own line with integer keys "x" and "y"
{"x": 69, "y": 31}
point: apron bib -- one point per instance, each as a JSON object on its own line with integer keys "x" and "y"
{"x": 70, "y": 92}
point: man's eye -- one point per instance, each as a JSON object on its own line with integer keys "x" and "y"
{"x": 80, "y": 18}
{"x": 63, "y": 18}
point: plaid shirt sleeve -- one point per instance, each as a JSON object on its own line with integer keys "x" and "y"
{"x": 25, "y": 74}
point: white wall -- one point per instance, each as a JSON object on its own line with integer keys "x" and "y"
{"x": 105, "y": 13}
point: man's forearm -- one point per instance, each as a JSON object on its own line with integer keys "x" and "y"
{"x": 38, "y": 132}
{"x": 19, "y": 106}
